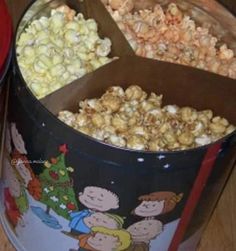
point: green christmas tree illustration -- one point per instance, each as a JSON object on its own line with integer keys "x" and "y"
{"x": 57, "y": 190}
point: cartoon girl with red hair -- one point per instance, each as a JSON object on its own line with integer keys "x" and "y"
{"x": 157, "y": 203}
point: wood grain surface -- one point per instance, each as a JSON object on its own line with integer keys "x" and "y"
{"x": 220, "y": 234}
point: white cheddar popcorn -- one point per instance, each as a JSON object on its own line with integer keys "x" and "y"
{"x": 104, "y": 48}
{"x": 53, "y": 51}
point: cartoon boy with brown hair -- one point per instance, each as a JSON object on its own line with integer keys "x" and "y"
{"x": 157, "y": 203}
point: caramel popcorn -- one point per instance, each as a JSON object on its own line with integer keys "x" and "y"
{"x": 135, "y": 120}
{"x": 170, "y": 35}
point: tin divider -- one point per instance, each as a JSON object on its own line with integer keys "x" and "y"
{"x": 107, "y": 27}
{"x": 180, "y": 85}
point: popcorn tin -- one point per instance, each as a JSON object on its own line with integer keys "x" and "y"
{"x": 5, "y": 41}
{"x": 63, "y": 190}
{"x": 230, "y": 4}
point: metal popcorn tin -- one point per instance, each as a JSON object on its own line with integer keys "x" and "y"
{"x": 230, "y": 4}
{"x": 5, "y": 42}
{"x": 63, "y": 190}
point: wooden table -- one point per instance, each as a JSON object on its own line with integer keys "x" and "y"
{"x": 220, "y": 234}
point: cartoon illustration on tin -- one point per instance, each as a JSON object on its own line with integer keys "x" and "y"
{"x": 22, "y": 166}
{"x": 15, "y": 201}
{"x": 142, "y": 233}
{"x": 18, "y": 176}
{"x": 57, "y": 190}
{"x": 83, "y": 223}
{"x": 157, "y": 203}
{"x": 98, "y": 202}
{"x": 104, "y": 239}
{"x": 30, "y": 181}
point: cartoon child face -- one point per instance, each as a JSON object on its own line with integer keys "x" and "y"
{"x": 100, "y": 220}
{"x": 145, "y": 230}
{"x": 98, "y": 199}
{"x": 17, "y": 139}
{"x": 103, "y": 242}
{"x": 149, "y": 208}
{"x": 24, "y": 172}
{"x": 11, "y": 179}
